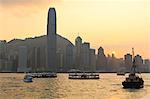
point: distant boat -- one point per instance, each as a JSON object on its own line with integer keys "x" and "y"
{"x": 27, "y": 78}
{"x": 74, "y": 71}
{"x": 83, "y": 75}
{"x": 121, "y": 73}
{"x": 133, "y": 81}
{"x": 44, "y": 75}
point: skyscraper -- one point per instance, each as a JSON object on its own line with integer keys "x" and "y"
{"x": 51, "y": 40}
{"x": 3, "y": 51}
{"x": 78, "y": 45}
{"x": 128, "y": 62}
{"x": 139, "y": 63}
{"x": 85, "y": 56}
{"x": 92, "y": 60}
{"x": 146, "y": 65}
{"x": 22, "y": 62}
{"x": 101, "y": 60}
{"x": 69, "y": 56}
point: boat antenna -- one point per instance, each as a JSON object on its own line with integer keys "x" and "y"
{"x": 133, "y": 53}
{"x": 133, "y": 65}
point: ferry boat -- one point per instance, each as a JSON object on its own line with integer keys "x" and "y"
{"x": 43, "y": 75}
{"x": 27, "y": 78}
{"x": 83, "y": 75}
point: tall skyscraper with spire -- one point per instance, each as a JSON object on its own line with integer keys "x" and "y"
{"x": 78, "y": 46}
{"x": 51, "y": 40}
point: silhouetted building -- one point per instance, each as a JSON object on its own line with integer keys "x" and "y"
{"x": 3, "y": 55}
{"x": 22, "y": 63}
{"x": 77, "y": 51}
{"x": 51, "y": 40}
{"x": 139, "y": 63}
{"x": 92, "y": 60}
{"x": 119, "y": 65}
{"x": 101, "y": 63}
{"x": 146, "y": 65}
{"x": 60, "y": 60}
{"x": 128, "y": 62}
{"x": 85, "y": 56}
{"x": 3, "y": 49}
{"x": 69, "y": 57}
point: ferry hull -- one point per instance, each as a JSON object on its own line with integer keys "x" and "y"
{"x": 82, "y": 78}
{"x": 43, "y": 76}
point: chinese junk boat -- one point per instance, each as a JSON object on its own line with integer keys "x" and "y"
{"x": 134, "y": 80}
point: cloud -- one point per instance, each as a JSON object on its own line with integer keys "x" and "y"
{"x": 23, "y": 7}
{"x": 21, "y": 2}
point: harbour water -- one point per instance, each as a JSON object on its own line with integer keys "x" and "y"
{"x": 107, "y": 87}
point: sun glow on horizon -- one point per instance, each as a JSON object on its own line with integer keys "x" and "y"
{"x": 113, "y": 52}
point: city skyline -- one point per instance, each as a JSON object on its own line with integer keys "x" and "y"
{"x": 121, "y": 26}
{"x": 72, "y": 49}
{"x": 55, "y": 53}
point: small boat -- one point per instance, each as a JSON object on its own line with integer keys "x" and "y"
{"x": 74, "y": 71}
{"x": 134, "y": 80}
{"x": 28, "y": 78}
{"x": 120, "y": 73}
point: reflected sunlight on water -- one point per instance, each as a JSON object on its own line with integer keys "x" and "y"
{"x": 107, "y": 87}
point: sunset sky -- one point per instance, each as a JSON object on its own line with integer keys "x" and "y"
{"x": 116, "y": 25}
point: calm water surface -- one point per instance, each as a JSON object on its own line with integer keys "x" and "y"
{"x": 107, "y": 87}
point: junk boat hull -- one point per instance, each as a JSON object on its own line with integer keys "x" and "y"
{"x": 133, "y": 81}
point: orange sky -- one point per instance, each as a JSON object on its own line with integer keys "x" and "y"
{"x": 116, "y": 25}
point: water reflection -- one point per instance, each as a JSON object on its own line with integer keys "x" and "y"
{"x": 107, "y": 87}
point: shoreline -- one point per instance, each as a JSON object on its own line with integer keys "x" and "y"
{"x": 65, "y": 72}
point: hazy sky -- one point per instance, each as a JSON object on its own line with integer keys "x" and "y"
{"x": 116, "y": 25}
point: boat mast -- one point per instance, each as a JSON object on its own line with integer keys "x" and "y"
{"x": 133, "y": 65}
{"x": 133, "y": 53}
